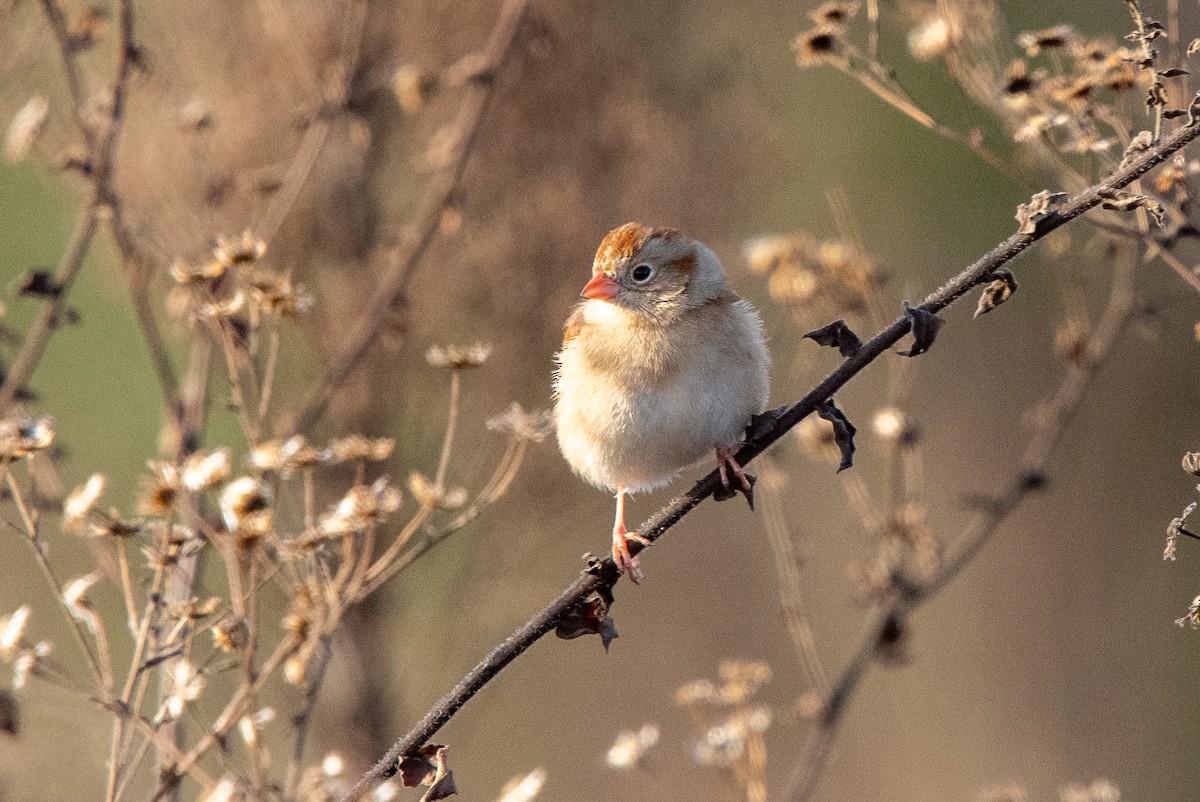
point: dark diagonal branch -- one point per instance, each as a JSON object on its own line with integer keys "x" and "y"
{"x": 604, "y": 575}
{"x": 465, "y": 132}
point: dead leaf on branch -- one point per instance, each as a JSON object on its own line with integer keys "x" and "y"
{"x": 843, "y": 431}
{"x": 428, "y": 767}
{"x": 1120, "y": 200}
{"x": 589, "y": 617}
{"x": 996, "y": 293}
{"x": 837, "y": 335}
{"x": 924, "y": 326}
{"x": 1041, "y": 206}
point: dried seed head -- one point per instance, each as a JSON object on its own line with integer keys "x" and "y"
{"x": 201, "y": 471}
{"x": 25, "y": 127}
{"x": 361, "y": 507}
{"x": 1191, "y": 463}
{"x": 699, "y": 691}
{"x": 931, "y": 39}
{"x": 458, "y": 357}
{"x": 518, "y": 789}
{"x": 245, "y": 507}
{"x": 1192, "y": 617}
{"x": 834, "y": 13}
{"x": 818, "y": 45}
{"x": 741, "y": 679}
{"x": 79, "y": 503}
{"x": 357, "y": 447}
{"x": 208, "y": 270}
{"x": 631, "y": 747}
{"x": 12, "y": 632}
{"x": 532, "y": 427}
{"x": 186, "y": 686}
{"x": 231, "y": 635}
{"x": 892, "y": 426}
{"x": 427, "y": 493}
{"x": 274, "y": 294}
{"x": 1056, "y": 38}
{"x": 287, "y": 456}
{"x": 242, "y": 250}
{"x": 160, "y": 490}
{"x": 75, "y": 597}
{"x": 25, "y": 436}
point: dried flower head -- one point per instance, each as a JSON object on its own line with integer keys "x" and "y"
{"x": 1192, "y": 617}
{"x": 1056, "y": 38}
{"x": 284, "y": 456}
{"x": 242, "y": 250}
{"x": 428, "y": 494}
{"x": 892, "y": 426}
{"x": 245, "y": 507}
{"x": 818, "y": 45}
{"x": 25, "y": 127}
{"x": 532, "y": 427}
{"x": 27, "y": 661}
{"x": 834, "y": 13}
{"x": 458, "y": 357}
{"x": 12, "y": 632}
{"x": 25, "y": 436}
{"x": 1174, "y": 530}
{"x": 75, "y": 596}
{"x": 223, "y": 307}
{"x": 274, "y": 294}
{"x": 361, "y": 507}
{"x": 357, "y": 447}
{"x": 741, "y": 679}
{"x": 78, "y": 505}
{"x": 201, "y": 471}
{"x": 188, "y": 273}
{"x": 631, "y": 747}
{"x": 186, "y": 686}
{"x": 159, "y": 491}
{"x": 230, "y": 635}
{"x": 1095, "y": 791}
{"x": 931, "y": 38}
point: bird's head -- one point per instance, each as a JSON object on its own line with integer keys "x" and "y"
{"x": 654, "y": 273}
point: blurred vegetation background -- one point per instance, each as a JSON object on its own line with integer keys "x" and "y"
{"x": 1053, "y": 659}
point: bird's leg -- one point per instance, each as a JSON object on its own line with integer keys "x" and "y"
{"x": 725, "y": 458}
{"x": 621, "y": 536}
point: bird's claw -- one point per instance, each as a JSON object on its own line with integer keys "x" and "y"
{"x": 726, "y": 462}
{"x": 626, "y": 562}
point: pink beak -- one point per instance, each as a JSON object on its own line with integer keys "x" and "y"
{"x": 601, "y": 288}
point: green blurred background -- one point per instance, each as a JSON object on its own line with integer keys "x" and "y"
{"x": 1052, "y": 659}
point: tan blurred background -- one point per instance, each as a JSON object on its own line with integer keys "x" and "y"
{"x": 1053, "y": 659}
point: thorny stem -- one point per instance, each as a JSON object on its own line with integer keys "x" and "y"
{"x": 1053, "y": 423}
{"x": 605, "y": 574}
{"x": 467, "y": 128}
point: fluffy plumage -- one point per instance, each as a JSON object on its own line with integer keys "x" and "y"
{"x": 661, "y": 365}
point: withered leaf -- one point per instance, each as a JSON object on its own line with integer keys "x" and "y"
{"x": 589, "y": 617}
{"x": 843, "y": 431}
{"x": 1194, "y": 111}
{"x": 924, "y": 326}
{"x": 838, "y": 335}
{"x": 726, "y": 492}
{"x": 996, "y": 293}
{"x": 1121, "y": 200}
{"x": 1040, "y": 207}
{"x": 1174, "y": 72}
{"x": 1193, "y": 46}
{"x": 421, "y": 767}
{"x": 763, "y": 422}
{"x": 428, "y": 767}
{"x": 38, "y": 284}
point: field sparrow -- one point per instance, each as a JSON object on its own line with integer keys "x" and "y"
{"x": 661, "y": 364}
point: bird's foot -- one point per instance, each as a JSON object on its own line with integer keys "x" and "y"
{"x": 625, "y": 561}
{"x": 726, "y": 462}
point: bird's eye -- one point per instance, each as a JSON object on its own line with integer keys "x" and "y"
{"x": 642, "y": 273}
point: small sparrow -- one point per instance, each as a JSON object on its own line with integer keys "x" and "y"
{"x": 661, "y": 364}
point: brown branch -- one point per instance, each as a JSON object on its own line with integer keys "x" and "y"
{"x": 466, "y": 131}
{"x": 602, "y": 577}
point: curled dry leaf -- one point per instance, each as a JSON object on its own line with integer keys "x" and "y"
{"x": 837, "y": 335}
{"x": 763, "y": 422}
{"x": 924, "y": 326}
{"x": 428, "y": 767}
{"x": 996, "y": 293}
{"x": 843, "y": 432}
{"x": 1191, "y": 462}
{"x": 590, "y": 617}
{"x": 1040, "y": 207}
{"x": 1120, "y": 200}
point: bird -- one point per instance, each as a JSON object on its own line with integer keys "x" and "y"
{"x": 661, "y": 364}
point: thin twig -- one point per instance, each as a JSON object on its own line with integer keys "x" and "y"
{"x": 605, "y": 574}
{"x": 467, "y": 128}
